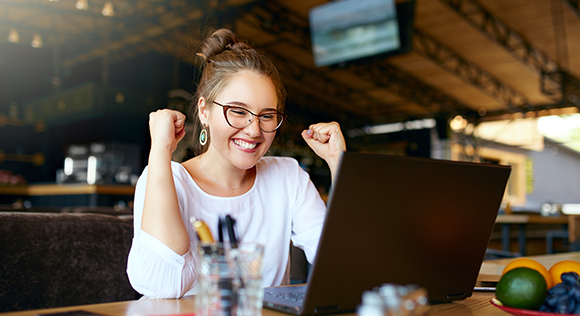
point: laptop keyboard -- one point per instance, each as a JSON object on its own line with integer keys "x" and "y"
{"x": 291, "y": 296}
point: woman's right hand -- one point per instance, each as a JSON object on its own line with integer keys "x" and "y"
{"x": 161, "y": 213}
{"x": 167, "y": 128}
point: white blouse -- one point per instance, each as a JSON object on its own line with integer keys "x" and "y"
{"x": 282, "y": 205}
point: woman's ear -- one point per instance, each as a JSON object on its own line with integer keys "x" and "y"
{"x": 202, "y": 111}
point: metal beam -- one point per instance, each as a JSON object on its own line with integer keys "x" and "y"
{"x": 499, "y": 32}
{"x": 570, "y": 88}
{"x": 452, "y": 61}
{"x": 575, "y": 5}
{"x": 385, "y": 75}
{"x": 515, "y": 43}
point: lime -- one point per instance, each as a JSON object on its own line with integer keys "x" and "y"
{"x": 523, "y": 288}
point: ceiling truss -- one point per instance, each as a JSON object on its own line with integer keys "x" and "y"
{"x": 555, "y": 81}
{"x": 451, "y": 61}
{"x": 575, "y": 4}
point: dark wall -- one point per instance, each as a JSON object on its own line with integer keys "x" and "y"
{"x": 26, "y": 74}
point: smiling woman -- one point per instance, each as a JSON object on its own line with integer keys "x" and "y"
{"x": 231, "y": 145}
{"x": 238, "y": 108}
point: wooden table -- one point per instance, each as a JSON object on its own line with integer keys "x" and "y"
{"x": 495, "y": 267}
{"x": 477, "y": 305}
{"x": 572, "y": 222}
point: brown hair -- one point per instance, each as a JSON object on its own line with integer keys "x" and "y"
{"x": 223, "y": 57}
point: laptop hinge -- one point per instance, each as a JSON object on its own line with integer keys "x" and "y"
{"x": 450, "y": 298}
{"x": 456, "y": 297}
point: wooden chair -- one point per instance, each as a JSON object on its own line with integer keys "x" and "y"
{"x": 571, "y": 235}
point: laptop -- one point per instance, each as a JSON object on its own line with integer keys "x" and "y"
{"x": 399, "y": 220}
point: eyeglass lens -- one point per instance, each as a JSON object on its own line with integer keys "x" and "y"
{"x": 240, "y": 118}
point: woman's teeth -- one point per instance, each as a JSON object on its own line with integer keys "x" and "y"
{"x": 244, "y": 144}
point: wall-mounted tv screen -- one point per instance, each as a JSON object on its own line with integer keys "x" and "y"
{"x": 354, "y": 30}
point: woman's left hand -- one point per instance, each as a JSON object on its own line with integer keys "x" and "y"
{"x": 327, "y": 141}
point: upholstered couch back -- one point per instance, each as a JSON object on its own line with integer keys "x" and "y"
{"x": 59, "y": 259}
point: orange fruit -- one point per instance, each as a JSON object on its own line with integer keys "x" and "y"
{"x": 532, "y": 264}
{"x": 561, "y": 267}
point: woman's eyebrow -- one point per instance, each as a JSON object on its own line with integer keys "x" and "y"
{"x": 238, "y": 103}
{"x": 242, "y": 104}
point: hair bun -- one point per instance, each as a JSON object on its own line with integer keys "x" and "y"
{"x": 220, "y": 41}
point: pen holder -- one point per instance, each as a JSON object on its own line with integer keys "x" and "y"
{"x": 229, "y": 280}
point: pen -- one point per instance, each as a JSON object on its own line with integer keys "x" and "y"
{"x": 220, "y": 229}
{"x": 202, "y": 230}
{"x": 230, "y": 222}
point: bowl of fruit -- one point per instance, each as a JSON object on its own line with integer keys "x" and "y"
{"x": 528, "y": 288}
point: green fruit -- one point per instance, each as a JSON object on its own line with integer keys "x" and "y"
{"x": 523, "y": 288}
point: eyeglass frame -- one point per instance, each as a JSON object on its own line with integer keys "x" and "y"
{"x": 227, "y": 107}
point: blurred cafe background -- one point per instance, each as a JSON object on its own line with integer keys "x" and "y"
{"x": 488, "y": 81}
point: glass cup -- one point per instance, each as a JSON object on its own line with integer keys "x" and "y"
{"x": 229, "y": 280}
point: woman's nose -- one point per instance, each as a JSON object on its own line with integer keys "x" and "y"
{"x": 253, "y": 129}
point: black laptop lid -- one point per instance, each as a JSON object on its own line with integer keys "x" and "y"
{"x": 405, "y": 221}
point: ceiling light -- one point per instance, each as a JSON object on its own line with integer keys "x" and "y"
{"x": 458, "y": 123}
{"x": 108, "y": 9}
{"x": 13, "y": 36}
{"x": 36, "y": 41}
{"x": 82, "y": 4}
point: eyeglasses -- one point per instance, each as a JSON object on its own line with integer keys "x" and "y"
{"x": 238, "y": 117}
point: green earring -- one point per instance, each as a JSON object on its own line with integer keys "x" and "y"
{"x": 203, "y": 137}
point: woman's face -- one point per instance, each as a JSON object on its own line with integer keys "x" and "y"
{"x": 241, "y": 147}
